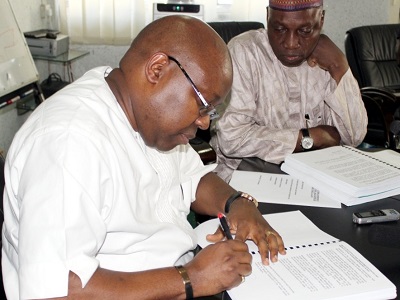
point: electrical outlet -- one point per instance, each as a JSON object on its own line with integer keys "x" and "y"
{"x": 42, "y": 11}
{"x": 52, "y": 13}
{"x": 49, "y": 11}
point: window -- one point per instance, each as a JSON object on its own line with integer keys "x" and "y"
{"x": 117, "y": 22}
{"x": 106, "y": 22}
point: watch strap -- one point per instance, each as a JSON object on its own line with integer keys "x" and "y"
{"x": 186, "y": 281}
{"x": 230, "y": 200}
{"x": 237, "y": 195}
{"x": 305, "y": 132}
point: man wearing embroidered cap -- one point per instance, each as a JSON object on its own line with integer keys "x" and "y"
{"x": 292, "y": 90}
{"x": 294, "y": 5}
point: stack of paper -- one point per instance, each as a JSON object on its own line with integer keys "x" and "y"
{"x": 347, "y": 174}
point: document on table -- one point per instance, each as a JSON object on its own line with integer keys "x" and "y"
{"x": 280, "y": 188}
{"x": 349, "y": 174}
{"x": 316, "y": 266}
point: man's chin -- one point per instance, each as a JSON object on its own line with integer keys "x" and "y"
{"x": 173, "y": 141}
{"x": 166, "y": 147}
{"x": 169, "y": 146}
{"x": 291, "y": 61}
{"x": 291, "y": 64}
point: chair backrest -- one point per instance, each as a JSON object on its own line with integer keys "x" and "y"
{"x": 228, "y": 30}
{"x": 371, "y": 53}
{"x": 377, "y": 133}
{"x": 381, "y": 106}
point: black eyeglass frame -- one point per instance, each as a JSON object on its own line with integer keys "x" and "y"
{"x": 207, "y": 109}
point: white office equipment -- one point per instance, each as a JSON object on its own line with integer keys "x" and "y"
{"x": 167, "y": 9}
{"x": 49, "y": 47}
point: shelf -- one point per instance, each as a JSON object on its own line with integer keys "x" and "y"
{"x": 65, "y": 58}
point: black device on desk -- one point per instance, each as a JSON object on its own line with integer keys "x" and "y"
{"x": 376, "y": 216}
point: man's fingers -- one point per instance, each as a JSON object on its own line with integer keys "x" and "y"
{"x": 217, "y": 236}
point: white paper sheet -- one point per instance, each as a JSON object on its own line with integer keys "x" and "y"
{"x": 316, "y": 266}
{"x": 281, "y": 189}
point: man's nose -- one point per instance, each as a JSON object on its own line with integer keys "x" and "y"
{"x": 203, "y": 122}
{"x": 291, "y": 41}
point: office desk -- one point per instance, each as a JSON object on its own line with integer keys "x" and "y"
{"x": 338, "y": 223}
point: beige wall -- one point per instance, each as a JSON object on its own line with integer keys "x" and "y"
{"x": 394, "y": 16}
{"x": 340, "y": 16}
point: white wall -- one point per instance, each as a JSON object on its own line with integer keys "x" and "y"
{"x": 340, "y": 16}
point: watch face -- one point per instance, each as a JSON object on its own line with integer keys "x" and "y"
{"x": 307, "y": 143}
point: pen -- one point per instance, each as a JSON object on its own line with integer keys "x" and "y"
{"x": 224, "y": 226}
{"x": 10, "y": 101}
{"x": 27, "y": 93}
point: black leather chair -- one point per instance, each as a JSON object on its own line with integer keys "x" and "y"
{"x": 226, "y": 30}
{"x": 378, "y": 134}
{"x": 371, "y": 53}
{"x": 2, "y": 293}
{"x": 382, "y": 106}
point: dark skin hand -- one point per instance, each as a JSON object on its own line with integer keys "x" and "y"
{"x": 329, "y": 57}
{"x": 245, "y": 220}
{"x": 324, "y": 136}
{"x": 208, "y": 273}
{"x": 269, "y": 242}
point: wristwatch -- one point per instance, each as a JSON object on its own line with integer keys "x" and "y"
{"x": 236, "y": 196}
{"x": 250, "y": 198}
{"x": 306, "y": 141}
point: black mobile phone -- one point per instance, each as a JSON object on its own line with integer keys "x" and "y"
{"x": 376, "y": 216}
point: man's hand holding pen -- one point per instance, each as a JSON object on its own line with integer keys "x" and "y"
{"x": 247, "y": 223}
{"x": 224, "y": 264}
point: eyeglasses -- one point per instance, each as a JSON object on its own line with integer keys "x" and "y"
{"x": 206, "y": 109}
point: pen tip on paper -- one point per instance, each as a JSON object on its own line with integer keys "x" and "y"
{"x": 220, "y": 215}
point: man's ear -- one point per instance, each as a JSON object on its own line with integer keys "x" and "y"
{"x": 155, "y": 67}
{"x": 322, "y": 17}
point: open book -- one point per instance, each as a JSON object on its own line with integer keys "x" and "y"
{"x": 347, "y": 174}
{"x": 316, "y": 266}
